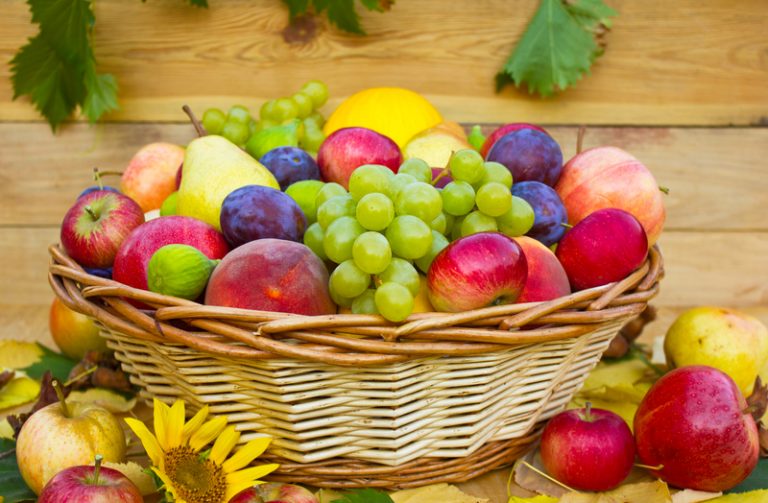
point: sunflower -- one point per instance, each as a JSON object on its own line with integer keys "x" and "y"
{"x": 189, "y": 473}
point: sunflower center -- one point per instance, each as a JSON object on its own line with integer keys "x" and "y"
{"x": 195, "y": 479}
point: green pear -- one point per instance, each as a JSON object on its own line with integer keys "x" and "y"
{"x": 214, "y": 167}
{"x": 724, "y": 338}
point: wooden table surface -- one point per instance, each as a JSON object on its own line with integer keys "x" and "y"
{"x": 682, "y": 86}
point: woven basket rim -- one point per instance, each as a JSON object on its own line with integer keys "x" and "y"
{"x": 348, "y": 339}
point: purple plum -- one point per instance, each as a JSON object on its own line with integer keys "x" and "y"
{"x": 549, "y": 211}
{"x": 529, "y": 154}
{"x": 290, "y": 165}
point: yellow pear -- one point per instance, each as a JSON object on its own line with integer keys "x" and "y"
{"x": 727, "y": 339}
{"x": 214, "y": 167}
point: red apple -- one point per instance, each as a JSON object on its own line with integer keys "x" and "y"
{"x": 90, "y": 484}
{"x": 271, "y": 275}
{"x": 75, "y": 334}
{"x": 131, "y": 261}
{"x": 604, "y": 247}
{"x": 476, "y": 271}
{"x": 695, "y": 424}
{"x": 347, "y": 148}
{"x": 96, "y": 225}
{"x": 501, "y": 131}
{"x": 274, "y": 492}
{"x": 546, "y": 277}
{"x": 151, "y": 174}
{"x": 608, "y": 177}
{"x": 588, "y": 449}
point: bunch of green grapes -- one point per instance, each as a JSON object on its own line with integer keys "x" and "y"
{"x": 389, "y": 226}
{"x": 297, "y": 115}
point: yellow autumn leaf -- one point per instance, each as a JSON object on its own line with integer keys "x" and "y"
{"x": 759, "y": 496}
{"x": 135, "y": 474}
{"x": 327, "y": 495}
{"x": 693, "y": 496}
{"x": 110, "y": 400}
{"x": 435, "y": 493}
{"x": 624, "y": 409}
{"x": 18, "y": 391}
{"x": 645, "y": 492}
{"x": 533, "y": 499}
{"x": 5, "y": 429}
{"x": 18, "y": 354}
{"x": 611, "y": 374}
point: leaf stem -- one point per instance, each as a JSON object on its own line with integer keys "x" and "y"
{"x": 548, "y": 477}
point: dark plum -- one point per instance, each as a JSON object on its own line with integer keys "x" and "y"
{"x": 93, "y": 188}
{"x": 442, "y": 182}
{"x": 105, "y": 272}
{"x": 290, "y": 165}
{"x": 503, "y": 130}
{"x": 529, "y": 154}
{"x": 255, "y": 212}
{"x": 549, "y": 211}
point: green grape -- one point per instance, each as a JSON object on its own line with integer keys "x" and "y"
{"x": 458, "y": 198}
{"x": 371, "y": 252}
{"x": 303, "y": 104}
{"x": 304, "y": 193}
{"x": 417, "y": 168}
{"x": 264, "y": 124}
{"x": 339, "y": 238}
{"x": 370, "y": 178}
{"x": 450, "y": 222}
{"x": 397, "y": 183}
{"x": 285, "y": 109}
{"x": 235, "y": 132}
{"x": 267, "y": 111}
{"x": 317, "y": 92}
{"x": 365, "y": 303}
{"x": 438, "y": 243}
{"x": 375, "y": 211}
{"x": 348, "y": 280}
{"x": 493, "y": 199}
{"x": 313, "y": 137}
{"x": 456, "y": 229}
{"x": 393, "y": 301}
{"x": 339, "y": 300}
{"x": 253, "y": 127}
{"x": 518, "y": 220}
{"x": 335, "y": 207}
{"x": 213, "y": 120}
{"x": 419, "y": 199}
{"x": 313, "y": 239}
{"x": 466, "y": 165}
{"x": 317, "y": 118}
{"x": 409, "y": 236}
{"x": 476, "y": 138}
{"x": 477, "y": 222}
{"x": 497, "y": 172}
{"x": 327, "y": 191}
{"x": 439, "y": 224}
{"x": 239, "y": 113}
{"x": 402, "y": 272}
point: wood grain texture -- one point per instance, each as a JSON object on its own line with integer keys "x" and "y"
{"x": 717, "y": 176}
{"x": 688, "y": 63}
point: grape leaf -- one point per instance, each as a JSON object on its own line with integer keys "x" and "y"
{"x": 341, "y": 13}
{"x": 199, "y": 3}
{"x": 558, "y": 46}
{"x": 57, "y": 67}
{"x": 59, "y": 365}
{"x": 12, "y": 486}
{"x": 364, "y": 496}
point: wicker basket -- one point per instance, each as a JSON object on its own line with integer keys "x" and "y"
{"x": 353, "y": 400}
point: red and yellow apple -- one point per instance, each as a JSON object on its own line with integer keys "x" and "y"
{"x": 151, "y": 174}
{"x": 348, "y": 148}
{"x": 90, "y": 484}
{"x": 608, "y": 177}
{"x": 546, "y": 277}
{"x": 274, "y": 492}
{"x": 75, "y": 334}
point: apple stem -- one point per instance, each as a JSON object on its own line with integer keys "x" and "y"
{"x": 97, "y": 469}
{"x": 665, "y": 190}
{"x": 648, "y": 467}
{"x": 588, "y": 412}
{"x": 91, "y": 213}
{"x": 548, "y": 477}
{"x": 60, "y": 395}
{"x": 198, "y": 126}
{"x": 580, "y": 138}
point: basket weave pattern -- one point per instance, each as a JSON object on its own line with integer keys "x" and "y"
{"x": 353, "y": 400}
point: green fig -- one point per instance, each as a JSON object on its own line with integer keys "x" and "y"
{"x": 179, "y": 271}
{"x": 169, "y": 205}
{"x": 476, "y": 137}
{"x": 286, "y": 135}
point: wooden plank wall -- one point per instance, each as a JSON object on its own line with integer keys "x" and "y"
{"x": 683, "y": 86}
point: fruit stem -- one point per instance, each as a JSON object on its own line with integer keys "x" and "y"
{"x": 62, "y": 400}
{"x": 97, "y": 177}
{"x": 91, "y": 213}
{"x": 198, "y": 126}
{"x": 79, "y": 376}
{"x": 588, "y": 412}
{"x": 566, "y": 225}
{"x": 665, "y": 190}
{"x": 580, "y": 138}
{"x": 548, "y": 477}
{"x": 97, "y": 469}
{"x": 445, "y": 172}
{"x": 648, "y": 467}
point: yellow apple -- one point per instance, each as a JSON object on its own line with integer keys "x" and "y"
{"x": 74, "y": 333}
{"x": 61, "y": 435}
{"x": 435, "y": 146}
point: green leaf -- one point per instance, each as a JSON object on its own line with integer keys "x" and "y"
{"x": 558, "y": 46}
{"x": 12, "y": 485}
{"x": 199, "y": 3}
{"x": 296, "y": 7}
{"x": 758, "y": 479}
{"x": 101, "y": 94}
{"x": 342, "y": 14}
{"x": 365, "y": 496}
{"x": 59, "y": 365}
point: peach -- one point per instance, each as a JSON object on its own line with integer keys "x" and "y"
{"x": 150, "y": 176}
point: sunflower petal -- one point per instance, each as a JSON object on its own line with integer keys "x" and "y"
{"x": 207, "y": 432}
{"x": 161, "y": 417}
{"x": 251, "y": 474}
{"x": 234, "y": 489}
{"x": 167, "y": 483}
{"x": 246, "y": 454}
{"x": 193, "y": 424}
{"x": 175, "y": 424}
{"x": 224, "y": 444}
{"x": 154, "y": 451}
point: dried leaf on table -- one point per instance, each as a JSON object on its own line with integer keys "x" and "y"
{"x": 18, "y": 391}
{"x": 693, "y": 496}
{"x": 110, "y": 400}
{"x": 435, "y": 493}
{"x": 136, "y": 474}
{"x": 529, "y": 479}
{"x": 100, "y": 370}
{"x": 5, "y": 429}
{"x": 18, "y": 355}
{"x": 645, "y": 492}
{"x": 533, "y": 499}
